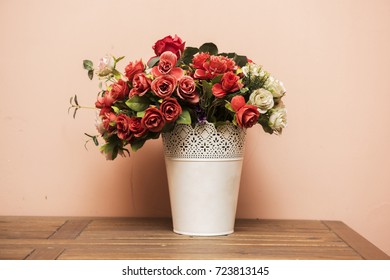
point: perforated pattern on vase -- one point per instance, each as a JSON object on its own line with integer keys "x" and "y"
{"x": 204, "y": 142}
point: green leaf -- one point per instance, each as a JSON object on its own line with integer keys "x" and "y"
{"x": 90, "y": 74}
{"x": 141, "y": 114}
{"x": 188, "y": 54}
{"x": 217, "y": 79}
{"x": 228, "y": 106}
{"x": 138, "y": 103}
{"x": 75, "y": 100}
{"x": 87, "y": 64}
{"x": 116, "y": 74}
{"x": 184, "y": 118}
{"x": 118, "y": 59}
{"x": 211, "y": 48}
{"x": 229, "y": 55}
{"x": 240, "y": 60}
{"x": 153, "y": 61}
{"x": 137, "y": 144}
{"x": 116, "y": 109}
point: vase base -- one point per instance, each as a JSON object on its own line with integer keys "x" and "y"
{"x": 204, "y": 234}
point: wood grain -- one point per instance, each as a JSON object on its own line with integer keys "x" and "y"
{"x": 153, "y": 238}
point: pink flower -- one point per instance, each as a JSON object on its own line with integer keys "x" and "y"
{"x": 170, "y": 109}
{"x": 163, "y": 86}
{"x": 186, "y": 90}
{"x": 247, "y": 116}
{"x": 141, "y": 84}
{"x": 167, "y": 65}
{"x": 175, "y": 45}
{"x": 133, "y": 68}
{"x": 238, "y": 102}
{"x": 153, "y": 120}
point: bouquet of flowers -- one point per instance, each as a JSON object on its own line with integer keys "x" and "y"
{"x": 181, "y": 85}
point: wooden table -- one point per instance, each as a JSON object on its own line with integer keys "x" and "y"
{"x": 143, "y": 238}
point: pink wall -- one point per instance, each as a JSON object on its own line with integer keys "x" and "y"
{"x": 332, "y": 162}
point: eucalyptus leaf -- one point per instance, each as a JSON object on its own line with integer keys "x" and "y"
{"x": 90, "y": 74}
{"x": 87, "y": 64}
{"x": 153, "y": 61}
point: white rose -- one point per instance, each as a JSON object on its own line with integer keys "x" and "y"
{"x": 263, "y": 99}
{"x": 252, "y": 69}
{"x": 275, "y": 87}
{"x": 106, "y": 65}
{"x": 278, "y": 119}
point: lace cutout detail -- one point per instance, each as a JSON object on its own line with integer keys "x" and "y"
{"x": 204, "y": 141}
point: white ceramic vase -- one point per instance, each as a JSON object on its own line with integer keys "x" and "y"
{"x": 204, "y": 169}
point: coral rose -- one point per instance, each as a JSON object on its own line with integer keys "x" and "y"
{"x": 153, "y": 120}
{"x": 141, "y": 84}
{"x": 167, "y": 65}
{"x": 186, "y": 90}
{"x": 170, "y": 109}
{"x": 238, "y": 102}
{"x": 247, "y": 116}
{"x": 163, "y": 86}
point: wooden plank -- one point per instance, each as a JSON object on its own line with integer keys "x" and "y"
{"x": 208, "y": 252}
{"x": 70, "y": 229}
{"x": 29, "y": 227}
{"x": 48, "y": 253}
{"x": 153, "y": 238}
{"x": 357, "y": 242}
{"x": 11, "y": 253}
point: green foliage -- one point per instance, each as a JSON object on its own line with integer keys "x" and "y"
{"x": 138, "y": 103}
{"x": 88, "y": 65}
{"x": 184, "y": 118}
{"x": 211, "y": 48}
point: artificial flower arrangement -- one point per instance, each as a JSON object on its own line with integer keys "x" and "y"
{"x": 181, "y": 85}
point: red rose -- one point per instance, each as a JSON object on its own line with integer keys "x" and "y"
{"x": 153, "y": 120}
{"x": 120, "y": 89}
{"x": 106, "y": 100}
{"x": 229, "y": 83}
{"x": 175, "y": 45}
{"x": 123, "y": 127}
{"x": 167, "y": 65}
{"x": 218, "y": 92}
{"x": 136, "y": 127}
{"x": 108, "y": 119}
{"x": 186, "y": 90}
{"x": 247, "y": 116}
{"x": 170, "y": 109}
{"x": 133, "y": 68}
{"x": 163, "y": 86}
{"x": 238, "y": 102}
{"x": 141, "y": 84}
